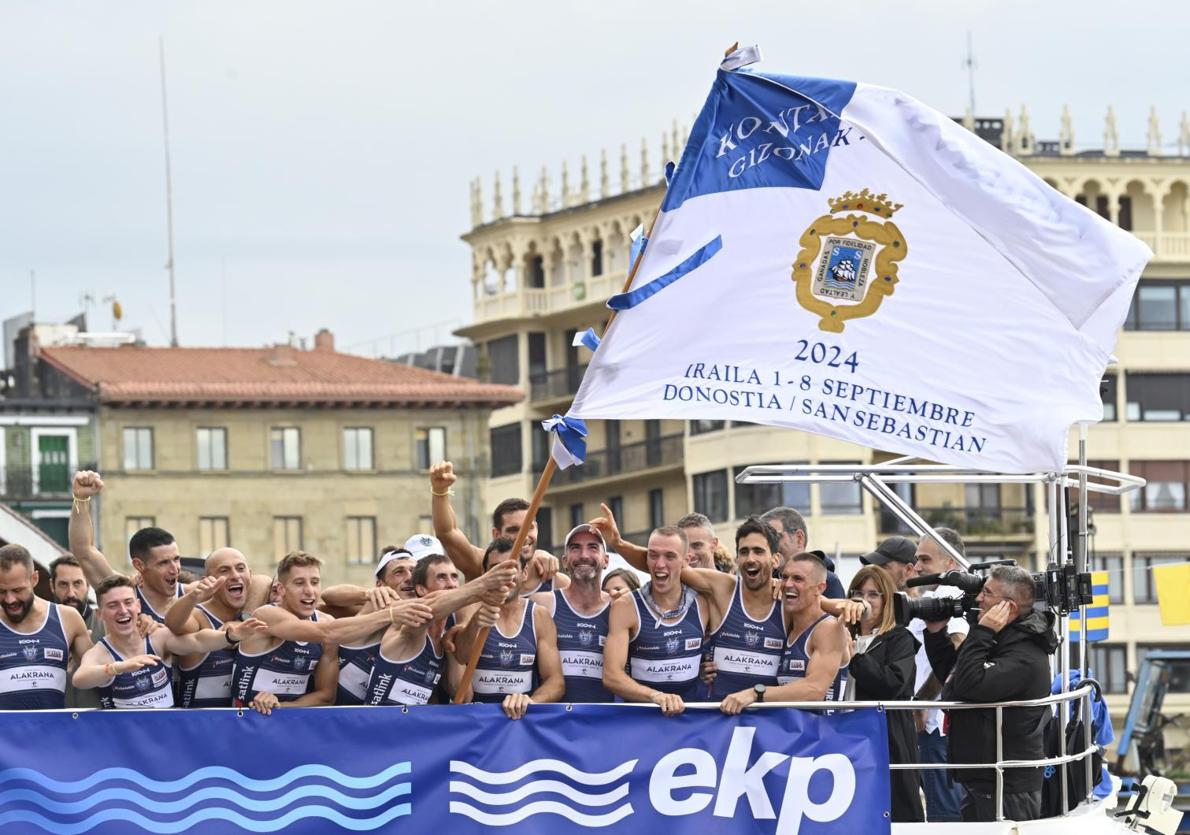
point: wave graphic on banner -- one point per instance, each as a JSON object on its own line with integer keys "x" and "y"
{"x": 135, "y": 808}
{"x": 595, "y": 814}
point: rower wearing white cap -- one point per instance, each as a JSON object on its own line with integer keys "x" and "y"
{"x": 580, "y": 614}
{"x": 394, "y": 580}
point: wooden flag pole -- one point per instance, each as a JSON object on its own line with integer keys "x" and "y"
{"x": 543, "y": 484}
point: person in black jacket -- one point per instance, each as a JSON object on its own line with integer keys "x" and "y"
{"x": 882, "y": 667}
{"x": 1005, "y": 658}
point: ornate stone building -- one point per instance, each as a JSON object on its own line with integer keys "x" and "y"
{"x": 544, "y": 264}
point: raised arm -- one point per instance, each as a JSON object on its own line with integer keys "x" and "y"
{"x": 715, "y": 585}
{"x": 344, "y": 601}
{"x": 97, "y": 667}
{"x": 209, "y": 640}
{"x": 181, "y": 619}
{"x": 81, "y": 533}
{"x": 634, "y": 555}
{"x": 491, "y": 587}
{"x": 466, "y": 557}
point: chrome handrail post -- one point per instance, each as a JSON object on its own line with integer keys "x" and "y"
{"x": 999, "y": 760}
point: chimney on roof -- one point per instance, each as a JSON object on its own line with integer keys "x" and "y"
{"x": 324, "y": 340}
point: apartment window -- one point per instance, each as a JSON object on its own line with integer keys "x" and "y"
{"x": 357, "y": 448}
{"x": 841, "y": 497}
{"x": 710, "y": 495}
{"x": 535, "y": 271}
{"x": 656, "y": 508}
{"x": 540, "y": 442}
{"x": 545, "y": 528}
{"x": 1158, "y": 397}
{"x": 1107, "y": 392}
{"x": 1160, "y": 306}
{"x": 1144, "y": 588}
{"x": 504, "y": 364}
{"x": 287, "y": 535}
{"x": 212, "y": 447}
{"x": 213, "y": 532}
{"x": 1179, "y": 672}
{"x": 1113, "y": 564}
{"x": 1165, "y": 490}
{"x": 138, "y": 448}
{"x": 701, "y": 427}
{"x": 431, "y": 446}
{"x": 132, "y": 524}
{"x": 1109, "y": 666}
{"x": 361, "y": 540}
{"x": 576, "y": 515}
{"x": 596, "y": 257}
{"x": 286, "y": 448}
{"x": 616, "y": 505}
{"x": 755, "y": 499}
{"x": 506, "y": 449}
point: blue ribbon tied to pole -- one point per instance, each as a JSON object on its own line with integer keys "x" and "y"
{"x": 569, "y": 445}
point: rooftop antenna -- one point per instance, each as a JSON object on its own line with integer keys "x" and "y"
{"x": 169, "y": 203}
{"x": 969, "y": 65}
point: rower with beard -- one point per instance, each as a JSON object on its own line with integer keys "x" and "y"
{"x": 411, "y": 661}
{"x": 295, "y": 659}
{"x": 69, "y": 586}
{"x": 133, "y": 671}
{"x": 657, "y": 632}
{"x": 580, "y": 614}
{"x": 814, "y": 662}
{"x": 39, "y": 641}
{"x": 519, "y": 663}
{"x": 220, "y": 597}
{"x": 541, "y": 567}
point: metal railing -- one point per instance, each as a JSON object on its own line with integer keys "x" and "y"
{"x": 550, "y": 385}
{"x": 630, "y": 458}
{"x": 45, "y": 481}
{"x": 969, "y": 521}
{"x": 1084, "y": 691}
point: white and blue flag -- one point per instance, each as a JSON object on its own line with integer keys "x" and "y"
{"x": 857, "y": 265}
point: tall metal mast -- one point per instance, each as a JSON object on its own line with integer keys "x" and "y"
{"x": 169, "y": 204}
{"x": 969, "y": 65}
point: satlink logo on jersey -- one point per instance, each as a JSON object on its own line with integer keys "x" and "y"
{"x": 700, "y": 782}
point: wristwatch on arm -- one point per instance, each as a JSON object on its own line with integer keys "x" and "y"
{"x": 759, "y": 689}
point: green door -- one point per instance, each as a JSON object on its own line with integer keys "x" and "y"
{"x": 54, "y": 469}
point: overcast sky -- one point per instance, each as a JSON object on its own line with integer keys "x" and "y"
{"x": 322, "y": 150}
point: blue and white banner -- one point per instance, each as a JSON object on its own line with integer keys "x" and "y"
{"x": 460, "y": 770}
{"x": 858, "y": 265}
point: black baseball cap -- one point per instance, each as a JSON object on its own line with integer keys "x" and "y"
{"x": 894, "y": 549}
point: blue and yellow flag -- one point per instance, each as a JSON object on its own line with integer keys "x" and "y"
{"x": 1096, "y": 613}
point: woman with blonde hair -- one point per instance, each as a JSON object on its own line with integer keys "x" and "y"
{"x": 882, "y": 669}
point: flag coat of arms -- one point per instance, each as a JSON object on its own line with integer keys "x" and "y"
{"x": 839, "y": 258}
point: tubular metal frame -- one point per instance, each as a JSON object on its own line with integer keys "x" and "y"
{"x": 875, "y": 478}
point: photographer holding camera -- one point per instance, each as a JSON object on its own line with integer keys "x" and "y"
{"x": 1004, "y": 658}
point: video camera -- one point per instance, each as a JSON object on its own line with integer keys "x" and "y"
{"x": 1059, "y": 588}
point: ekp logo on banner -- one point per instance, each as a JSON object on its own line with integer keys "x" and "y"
{"x": 466, "y": 768}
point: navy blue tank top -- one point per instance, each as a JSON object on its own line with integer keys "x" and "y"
{"x": 796, "y": 659}
{"x": 746, "y": 651}
{"x": 208, "y": 683}
{"x": 148, "y": 687}
{"x": 286, "y": 671}
{"x": 408, "y": 682}
{"x": 33, "y": 667}
{"x": 667, "y": 657}
{"x": 146, "y": 607}
{"x": 355, "y": 667}
{"x": 580, "y": 645}
{"x": 548, "y": 585}
{"x": 508, "y": 663}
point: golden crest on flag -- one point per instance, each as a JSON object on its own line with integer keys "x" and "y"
{"x": 848, "y": 259}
